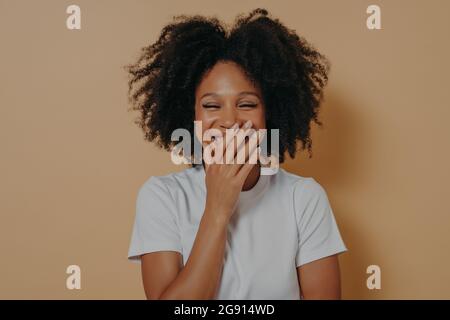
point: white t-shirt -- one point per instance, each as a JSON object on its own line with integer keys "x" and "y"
{"x": 283, "y": 222}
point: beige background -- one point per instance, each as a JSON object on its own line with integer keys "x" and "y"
{"x": 72, "y": 159}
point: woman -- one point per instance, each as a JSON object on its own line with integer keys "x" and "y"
{"x": 224, "y": 231}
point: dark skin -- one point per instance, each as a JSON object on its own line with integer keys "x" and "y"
{"x": 225, "y": 98}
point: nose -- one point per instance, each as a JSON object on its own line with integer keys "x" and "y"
{"x": 229, "y": 117}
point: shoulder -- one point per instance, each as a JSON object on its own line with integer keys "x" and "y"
{"x": 171, "y": 182}
{"x": 301, "y": 185}
{"x": 159, "y": 194}
{"x": 305, "y": 193}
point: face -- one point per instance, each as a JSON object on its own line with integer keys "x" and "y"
{"x": 225, "y": 96}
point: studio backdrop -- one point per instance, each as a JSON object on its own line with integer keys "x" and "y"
{"x": 72, "y": 158}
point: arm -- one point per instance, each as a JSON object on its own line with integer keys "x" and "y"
{"x": 320, "y": 279}
{"x": 165, "y": 278}
{"x": 162, "y": 272}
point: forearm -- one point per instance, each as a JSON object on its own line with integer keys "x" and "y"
{"x": 200, "y": 277}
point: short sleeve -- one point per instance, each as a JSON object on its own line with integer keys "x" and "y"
{"x": 318, "y": 233}
{"x": 155, "y": 226}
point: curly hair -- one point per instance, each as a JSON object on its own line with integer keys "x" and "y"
{"x": 289, "y": 71}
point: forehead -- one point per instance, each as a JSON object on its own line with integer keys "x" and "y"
{"x": 225, "y": 78}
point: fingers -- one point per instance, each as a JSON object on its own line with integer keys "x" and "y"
{"x": 236, "y": 157}
{"x": 241, "y": 156}
{"x": 229, "y": 144}
{"x": 248, "y": 166}
{"x": 250, "y": 158}
{"x": 230, "y": 152}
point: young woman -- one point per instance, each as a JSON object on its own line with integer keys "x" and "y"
{"x": 224, "y": 231}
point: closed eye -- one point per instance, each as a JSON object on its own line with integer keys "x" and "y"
{"x": 248, "y": 105}
{"x": 213, "y": 106}
{"x": 210, "y": 106}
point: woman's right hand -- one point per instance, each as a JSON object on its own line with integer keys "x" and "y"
{"x": 224, "y": 182}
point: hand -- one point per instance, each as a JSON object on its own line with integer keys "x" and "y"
{"x": 224, "y": 182}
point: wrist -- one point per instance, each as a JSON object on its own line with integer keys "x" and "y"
{"x": 218, "y": 216}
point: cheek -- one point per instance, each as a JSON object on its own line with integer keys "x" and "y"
{"x": 259, "y": 120}
{"x": 206, "y": 123}
{"x": 205, "y": 120}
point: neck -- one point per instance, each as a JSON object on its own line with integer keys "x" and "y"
{"x": 252, "y": 178}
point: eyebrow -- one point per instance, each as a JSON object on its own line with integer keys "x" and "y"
{"x": 240, "y": 94}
